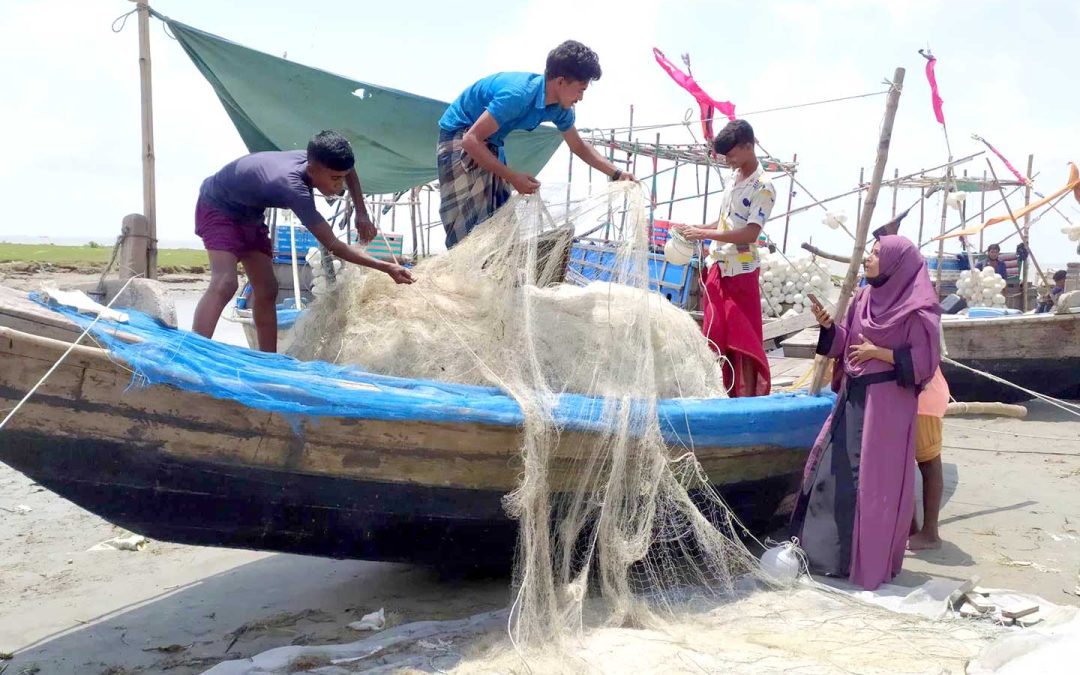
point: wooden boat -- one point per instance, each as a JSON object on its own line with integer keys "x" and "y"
{"x": 1040, "y": 352}
{"x": 416, "y": 473}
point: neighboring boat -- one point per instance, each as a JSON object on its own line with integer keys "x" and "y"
{"x": 286, "y": 321}
{"x": 233, "y": 448}
{"x": 1040, "y": 352}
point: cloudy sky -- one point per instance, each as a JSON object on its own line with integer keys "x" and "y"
{"x": 70, "y": 104}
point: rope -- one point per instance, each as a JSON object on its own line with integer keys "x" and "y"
{"x": 122, "y": 20}
{"x": 112, "y": 259}
{"x": 63, "y": 356}
{"x": 1009, "y": 433}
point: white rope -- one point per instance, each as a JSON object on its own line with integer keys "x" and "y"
{"x": 1071, "y": 408}
{"x": 63, "y": 356}
{"x": 985, "y": 430}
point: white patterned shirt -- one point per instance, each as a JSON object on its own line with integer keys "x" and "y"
{"x": 745, "y": 202}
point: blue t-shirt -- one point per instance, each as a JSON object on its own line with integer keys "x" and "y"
{"x": 243, "y": 189}
{"x": 515, "y": 100}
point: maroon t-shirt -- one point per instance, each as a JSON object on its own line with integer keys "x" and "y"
{"x": 244, "y": 189}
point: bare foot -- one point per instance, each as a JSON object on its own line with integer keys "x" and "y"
{"x": 921, "y": 541}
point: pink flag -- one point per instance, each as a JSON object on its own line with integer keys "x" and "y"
{"x": 706, "y": 103}
{"x": 1000, "y": 156}
{"x": 934, "y": 95}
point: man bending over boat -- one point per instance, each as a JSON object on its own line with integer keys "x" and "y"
{"x": 732, "y": 321}
{"x": 474, "y": 179}
{"x": 229, "y": 217}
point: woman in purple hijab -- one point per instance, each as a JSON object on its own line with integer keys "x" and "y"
{"x": 854, "y": 513}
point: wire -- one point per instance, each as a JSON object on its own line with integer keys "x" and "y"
{"x": 649, "y": 127}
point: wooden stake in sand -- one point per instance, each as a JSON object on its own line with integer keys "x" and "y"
{"x": 147, "y": 96}
{"x": 864, "y": 218}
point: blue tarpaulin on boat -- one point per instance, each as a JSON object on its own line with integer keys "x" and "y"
{"x": 282, "y": 384}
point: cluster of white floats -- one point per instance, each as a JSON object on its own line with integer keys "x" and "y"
{"x": 786, "y": 285}
{"x": 981, "y": 288}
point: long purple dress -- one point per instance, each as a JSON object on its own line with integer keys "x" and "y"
{"x": 857, "y": 500}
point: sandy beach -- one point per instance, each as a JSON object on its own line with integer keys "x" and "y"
{"x": 1012, "y": 517}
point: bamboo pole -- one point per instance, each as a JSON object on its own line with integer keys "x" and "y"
{"x": 982, "y": 211}
{"x": 790, "y": 194}
{"x": 610, "y": 214}
{"x": 414, "y": 208}
{"x": 655, "y": 165}
{"x": 147, "y": 114}
{"x": 674, "y": 178}
{"x": 862, "y": 179}
{"x": 941, "y": 242}
{"x": 705, "y": 207}
{"x": 825, "y": 254}
{"x": 820, "y": 362}
{"x": 1027, "y": 227}
{"x": 895, "y": 189}
{"x": 569, "y": 179}
{"x": 1016, "y": 225}
{"x": 922, "y": 213}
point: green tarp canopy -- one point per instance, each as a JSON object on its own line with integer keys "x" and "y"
{"x": 278, "y": 105}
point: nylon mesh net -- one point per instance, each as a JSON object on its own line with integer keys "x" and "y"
{"x": 616, "y": 515}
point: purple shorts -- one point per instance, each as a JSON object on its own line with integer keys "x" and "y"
{"x": 220, "y": 232}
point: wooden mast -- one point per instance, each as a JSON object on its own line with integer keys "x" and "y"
{"x": 864, "y": 219}
{"x": 149, "y": 195}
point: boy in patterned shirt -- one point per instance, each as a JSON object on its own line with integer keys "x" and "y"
{"x": 732, "y": 299}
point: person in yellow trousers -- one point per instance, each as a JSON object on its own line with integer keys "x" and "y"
{"x": 933, "y": 400}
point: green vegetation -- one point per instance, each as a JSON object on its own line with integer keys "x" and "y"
{"x": 94, "y": 256}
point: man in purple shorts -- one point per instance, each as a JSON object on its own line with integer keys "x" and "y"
{"x": 229, "y": 219}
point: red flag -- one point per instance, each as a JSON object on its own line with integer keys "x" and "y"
{"x": 935, "y": 97}
{"x": 706, "y": 103}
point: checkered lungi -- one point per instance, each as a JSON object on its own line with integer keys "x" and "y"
{"x": 469, "y": 194}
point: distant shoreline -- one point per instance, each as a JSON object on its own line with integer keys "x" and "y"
{"x": 101, "y": 240}
{"x": 90, "y": 258}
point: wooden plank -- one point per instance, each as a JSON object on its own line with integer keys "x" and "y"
{"x": 19, "y": 312}
{"x": 788, "y": 326}
{"x": 802, "y": 345}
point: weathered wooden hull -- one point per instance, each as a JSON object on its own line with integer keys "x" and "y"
{"x": 1038, "y": 352}
{"x": 182, "y": 466}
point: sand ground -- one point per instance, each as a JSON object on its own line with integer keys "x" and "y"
{"x": 1012, "y": 517}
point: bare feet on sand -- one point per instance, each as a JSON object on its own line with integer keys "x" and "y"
{"x": 921, "y": 541}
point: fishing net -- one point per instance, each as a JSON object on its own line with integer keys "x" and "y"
{"x": 621, "y": 513}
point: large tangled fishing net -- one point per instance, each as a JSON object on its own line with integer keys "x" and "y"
{"x": 636, "y": 519}
{"x": 627, "y": 558}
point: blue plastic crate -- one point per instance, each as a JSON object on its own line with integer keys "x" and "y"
{"x": 594, "y": 261}
{"x": 305, "y": 240}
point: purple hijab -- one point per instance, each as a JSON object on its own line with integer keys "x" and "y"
{"x": 883, "y": 310}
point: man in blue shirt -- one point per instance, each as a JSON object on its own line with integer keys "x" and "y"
{"x": 474, "y": 179}
{"x": 998, "y": 265}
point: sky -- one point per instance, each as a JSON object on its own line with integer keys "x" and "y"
{"x": 70, "y": 103}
